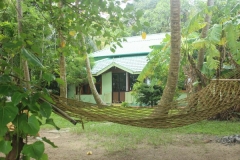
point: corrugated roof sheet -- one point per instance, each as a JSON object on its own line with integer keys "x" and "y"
{"x": 133, "y": 65}
{"x": 134, "y": 45}
{"x": 128, "y": 57}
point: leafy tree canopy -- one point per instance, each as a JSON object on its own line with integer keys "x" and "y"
{"x": 39, "y": 42}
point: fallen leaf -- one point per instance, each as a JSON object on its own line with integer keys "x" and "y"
{"x": 89, "y": 153}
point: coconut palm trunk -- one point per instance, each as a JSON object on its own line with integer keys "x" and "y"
{"x": 169, "y": 90}
{"x": 93, "y": 89}
{"x": 92, "y": 86}
{"x": 96, "y": 96}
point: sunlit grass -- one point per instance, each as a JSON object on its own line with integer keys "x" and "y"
{"x": 59, "y": 121}
{"x": 219, "y": 128}
{"x": 107, "y": 128}
{"x": 117, "y": 137}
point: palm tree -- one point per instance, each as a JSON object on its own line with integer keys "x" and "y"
{"x": 169, "y": 90}
{"x": 93, "y": 89}
{"x": 96, "y": 96}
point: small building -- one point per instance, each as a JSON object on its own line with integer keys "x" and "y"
{"x": 116, "y": 73}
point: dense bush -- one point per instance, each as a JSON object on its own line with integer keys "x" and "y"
{"x": 147, "y": 94}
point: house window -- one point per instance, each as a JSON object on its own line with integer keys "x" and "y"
{"x": 86, "y": 88}
{"x": 98, "y": 84}
{"x": 132, "y": 80}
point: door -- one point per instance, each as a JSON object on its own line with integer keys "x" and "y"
{"x": 118, "y": 87}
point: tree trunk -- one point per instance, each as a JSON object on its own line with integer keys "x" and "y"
{"x": 169, "y": 90}
{"x": 79, "y": 92}
{"x": 203, "y": 50}
{"x": 24, "y": 62}
{"x": 93, "y": 89}
{"x": 62, "y": 62}
{"x": 204, "y": 35}
{"x": 26, "y": 75}
{"x": 17, "y": 146}
{"x": 96, "y": 96}
{"x": 63, "y": 87}
{"x": 16, "y": 141}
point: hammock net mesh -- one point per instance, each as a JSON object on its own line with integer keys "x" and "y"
{"x": 219, "y": 95}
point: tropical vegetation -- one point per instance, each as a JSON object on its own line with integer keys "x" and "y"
{"x": 35, "y": 39}
{"x": 220, "y": 47}
{"x": 44, "y": 46}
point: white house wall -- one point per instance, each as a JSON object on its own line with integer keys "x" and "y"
{"x": 107, "y": 92}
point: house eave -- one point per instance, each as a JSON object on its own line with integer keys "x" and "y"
{"x": 120, "y": 55}
{"x": 115, "y": 65}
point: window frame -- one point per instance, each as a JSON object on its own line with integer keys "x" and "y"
{"x": 88, "y": 90}
{"x": 130, "y": 88}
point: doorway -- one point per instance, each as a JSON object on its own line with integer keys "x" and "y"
{"x": 118, "y": 87}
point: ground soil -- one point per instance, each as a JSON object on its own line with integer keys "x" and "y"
{"x": 75, "y": 147}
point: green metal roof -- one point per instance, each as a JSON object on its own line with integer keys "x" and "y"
{"x": 134, "y": 46}
{"x": 132, "y": 57}
{"x": 133, "y": 65}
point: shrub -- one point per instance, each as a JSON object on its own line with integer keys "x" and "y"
{"x": 125, "y": 104}
{"x": 148, "y": 94}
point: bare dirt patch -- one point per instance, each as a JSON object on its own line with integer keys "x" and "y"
{"x": 188, "y": 147}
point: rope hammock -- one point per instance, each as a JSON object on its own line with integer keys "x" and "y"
{"x": 218, "y": 96}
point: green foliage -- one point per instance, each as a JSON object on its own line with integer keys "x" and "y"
{"x": 225, "y": 10}
{"x": 222, "y": 37}
{"x": 8, "y": 112}
{"x": 124, "y": 104}
{"x": 215, "y": 33}
{"x": 232, "y": 31}
{"x": 27, "y": 125}
{"x": 146, "y": 94}
{"x": 13, "y": 112}
{"x": 156, "y": 17}
{"x": 76, "y": 71}
{"x": 34, "y": 150}
{"x": 51, "y": 122}
{"x": 45, "y": 110}
{"x": 31, "y": 58}
{"x": 159, "y": 54}
{"x": 5, "y": 146}
{"x": 152, "y": 10}
{"x": 49, "y": 142}
{"x": 38, "y": 43}
{"x": 48, "y": 77}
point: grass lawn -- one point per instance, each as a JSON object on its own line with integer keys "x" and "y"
{"x": 128, "y": 136}
{"x": 219, "y": 128}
